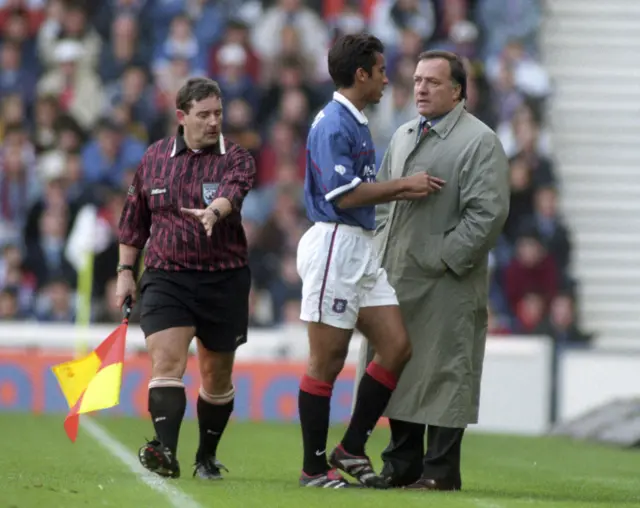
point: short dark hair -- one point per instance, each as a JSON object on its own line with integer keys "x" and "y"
{"x": 350, "y": 53}
{"x": 15, "y": 128}
{"x": 291, "y": 62}
{"x": 10, "y": 291}
{"x": 108, "y": 124}
{"x": 196, "y": 90}
{"x": 236, "y": 24}
{"x": 76, "y": 5}
{"x": 14, "y": 45}
{"x": 456, "y": 66}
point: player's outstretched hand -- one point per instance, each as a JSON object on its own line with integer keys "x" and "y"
{"x": 421, "y": 185}
{"x": 206, "y": 217}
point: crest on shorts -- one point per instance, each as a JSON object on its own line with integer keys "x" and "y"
{"x": 209, "y": 192}
{"x": 339, "y": 305}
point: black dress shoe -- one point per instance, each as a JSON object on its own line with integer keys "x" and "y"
{"x": 395, "y": 481}
{"x": 431, "y": 484}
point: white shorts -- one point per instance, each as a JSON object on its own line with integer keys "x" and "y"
{"x": 340, "y": 274}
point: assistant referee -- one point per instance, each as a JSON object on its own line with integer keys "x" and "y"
{"x": 185, "y": 201}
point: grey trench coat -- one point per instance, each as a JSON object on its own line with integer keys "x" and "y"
{"x": 435, "y": 251}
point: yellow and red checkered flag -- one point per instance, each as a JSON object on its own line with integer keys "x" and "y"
{"x": 92, "y": 383}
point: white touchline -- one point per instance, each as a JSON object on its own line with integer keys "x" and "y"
{"x": 176, "y": 497}
{"x": 482, "y": 503}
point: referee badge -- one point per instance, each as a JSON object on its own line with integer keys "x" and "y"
{"x": 209, "y": 192}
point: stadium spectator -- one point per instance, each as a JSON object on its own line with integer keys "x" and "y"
{"x": 9, "y": 309}
{"x": 45, "y": 255}
{"x": 288, "y": 26}
{"x": 554, "y": 234}
{"x": 530, "y": 311}
{"x": 106, "y": 158}
{"x": 532, "y": 270}
{"x": 15, "y": 78}
{"x": 74, "y": 83}
{"x": 561, "y": 323}
{"x": 54, "y": 195}
{"x": 56, "y": 305}
{"x": 236, "y": 32}
{"x": 503, "y": 20}
{"x": 392, "y": 18}
{"x": 19, "y": 184}
{"x": 125, "y": 48}
{"x": 72, "y": 25}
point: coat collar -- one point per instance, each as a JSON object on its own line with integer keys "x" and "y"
{"x": 180, "y": 145}
{"x": 444, "y": 126}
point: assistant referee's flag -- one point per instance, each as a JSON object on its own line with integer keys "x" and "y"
{"x": 93, "y": 382}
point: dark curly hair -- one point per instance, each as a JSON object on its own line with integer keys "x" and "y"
{"x": 350, "y": 53}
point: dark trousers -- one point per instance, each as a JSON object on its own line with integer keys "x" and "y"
{"x": 405, "y": 459}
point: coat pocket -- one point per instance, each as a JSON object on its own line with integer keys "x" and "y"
{"x": 426, "y": 254}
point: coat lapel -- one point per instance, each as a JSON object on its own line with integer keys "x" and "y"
{"x": 405, "y": 147}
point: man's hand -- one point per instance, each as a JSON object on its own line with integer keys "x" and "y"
{"x": 206, "y": 217}
{"x": 125, "y": 286}
{"x": 421, "y": 185}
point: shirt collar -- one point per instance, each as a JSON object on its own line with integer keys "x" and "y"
{"x": 179, "y": 144}
{"x": 358, "y": 115}
{"x": 431, "y": 123}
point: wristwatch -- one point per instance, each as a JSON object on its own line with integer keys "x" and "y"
{"x": 122, "y": 268}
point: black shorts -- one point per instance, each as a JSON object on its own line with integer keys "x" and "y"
{"x": 215, "y": 303}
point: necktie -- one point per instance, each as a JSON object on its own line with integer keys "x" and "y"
{"x": 424, "y": 129}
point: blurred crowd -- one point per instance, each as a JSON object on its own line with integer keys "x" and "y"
{"x": 85, "y": 86}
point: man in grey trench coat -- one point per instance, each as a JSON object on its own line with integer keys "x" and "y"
{"x": 435, "y": 251}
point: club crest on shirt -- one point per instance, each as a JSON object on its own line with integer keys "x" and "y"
{"x": 209, "y": 192}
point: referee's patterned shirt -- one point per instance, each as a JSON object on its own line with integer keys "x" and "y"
{"x": 170, "y": 177}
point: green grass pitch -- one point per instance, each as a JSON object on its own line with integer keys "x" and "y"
{"x": 40, "y": 468}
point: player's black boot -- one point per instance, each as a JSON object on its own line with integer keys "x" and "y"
{"x": 209, "y": 469}
{"x": 359, "y": 467}
{"x": 159, "y": 459}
